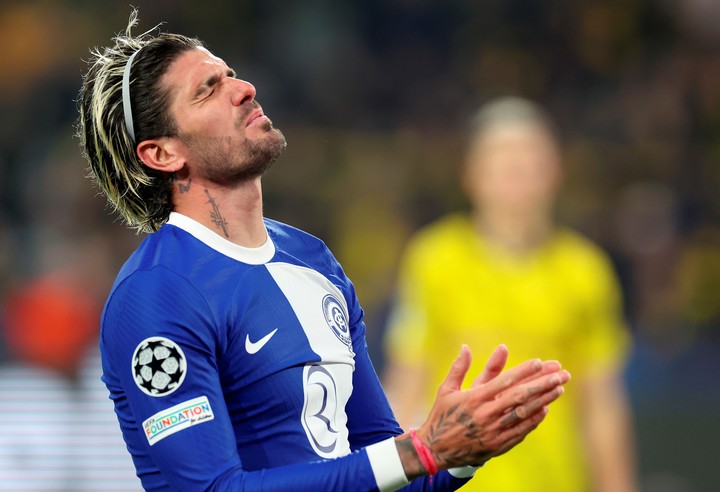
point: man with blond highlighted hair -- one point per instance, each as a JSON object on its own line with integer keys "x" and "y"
{"x": 233, "y": 345}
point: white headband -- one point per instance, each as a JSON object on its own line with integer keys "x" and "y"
{"x": 127, "y": 108}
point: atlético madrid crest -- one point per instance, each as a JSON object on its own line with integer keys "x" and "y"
{"x": 337, "y": 318}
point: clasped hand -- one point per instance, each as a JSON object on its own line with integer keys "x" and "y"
{"x": 468, "y": 427}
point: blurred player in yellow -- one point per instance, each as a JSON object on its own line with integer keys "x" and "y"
{"x": 507, "y": 274}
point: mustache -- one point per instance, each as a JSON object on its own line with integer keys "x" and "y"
{"x": 246, "y": 109}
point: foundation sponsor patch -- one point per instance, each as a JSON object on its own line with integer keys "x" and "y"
{"x": 177, "y": 418}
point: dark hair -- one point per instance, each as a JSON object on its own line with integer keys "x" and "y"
{"x": 140, "y": 194}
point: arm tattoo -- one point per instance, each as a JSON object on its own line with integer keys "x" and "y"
{"x": 412, "y": 465}
{"x": 215, "y": 215}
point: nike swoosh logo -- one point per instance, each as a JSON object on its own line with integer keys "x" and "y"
{"x": 254, "y": 347}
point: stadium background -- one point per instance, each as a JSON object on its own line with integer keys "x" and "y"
{"x": 372, "y": 96}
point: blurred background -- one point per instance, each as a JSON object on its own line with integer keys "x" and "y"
{"x": 373, "y": 97}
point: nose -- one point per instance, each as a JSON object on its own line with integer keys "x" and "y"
{"x": 242, "y": 92}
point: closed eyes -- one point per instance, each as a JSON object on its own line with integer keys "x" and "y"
{"x": 208, "y": 88}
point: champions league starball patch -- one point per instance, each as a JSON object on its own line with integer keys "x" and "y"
{"x": 159, "y": 366}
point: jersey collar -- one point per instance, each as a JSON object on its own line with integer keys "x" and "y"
{"x": 251, "y": 256}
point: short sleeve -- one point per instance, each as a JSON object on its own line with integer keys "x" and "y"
{"x": 602, "y": 340}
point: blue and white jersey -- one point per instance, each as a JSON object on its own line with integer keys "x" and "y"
{"x": 247, "y": 369}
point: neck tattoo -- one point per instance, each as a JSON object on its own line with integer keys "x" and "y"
{"x": 215, "y": 215}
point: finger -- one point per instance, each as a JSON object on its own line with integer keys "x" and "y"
{"x": 522, "y": 393}
{"x": 532, "y": 406}
{"x": 517, "y": 433}
{"x": 549, "y": 367}
{"x": 494, "y": 366}
{"x": 453, "y": 381}
{"x": 510, "y": 378}
{"x": 511, "y": 417}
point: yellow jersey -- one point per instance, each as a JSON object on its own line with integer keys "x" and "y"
{"x": 561, "y": 301}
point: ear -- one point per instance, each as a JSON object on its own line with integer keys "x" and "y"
{"x": 163, "y": 154}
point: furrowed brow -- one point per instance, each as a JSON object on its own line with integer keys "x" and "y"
{"x": 211, "y": 81}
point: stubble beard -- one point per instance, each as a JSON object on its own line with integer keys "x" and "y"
{"x": 263, "y": 153}
{"x": 223, "y": 163}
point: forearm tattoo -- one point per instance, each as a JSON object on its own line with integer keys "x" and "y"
{"x": 215, "y": 215}
{"x": 409, "y": 457}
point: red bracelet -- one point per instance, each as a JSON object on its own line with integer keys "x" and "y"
{"x": 427, "y": 460}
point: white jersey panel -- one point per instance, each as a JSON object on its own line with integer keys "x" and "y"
{"x": 322, "y": 312}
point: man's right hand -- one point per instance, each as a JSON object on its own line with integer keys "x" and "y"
{"x": 468, "y": 427}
